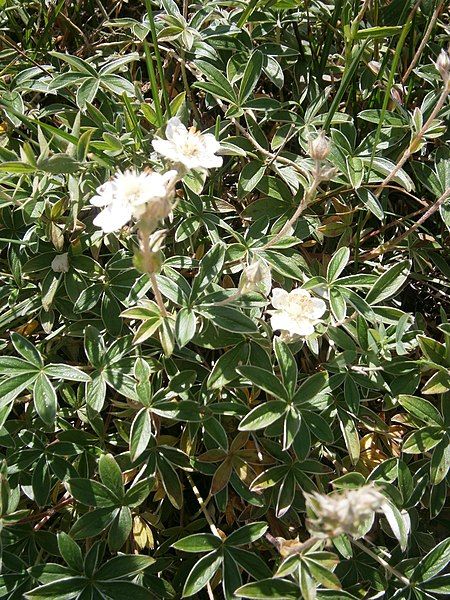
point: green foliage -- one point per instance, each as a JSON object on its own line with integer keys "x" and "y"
{"x": 162, "y": 446}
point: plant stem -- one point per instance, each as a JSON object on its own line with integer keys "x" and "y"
{"x": 151, "y": 19}
{"x": 424, "y": 41}
{"x": 146, "y": 255}
{"x": 416, "y": 139}
{"x": 382, "y": 562}
{"x": 393, "y": 243}
{"x": 203, "y": 508}
{"x": 157, "y": 293}
{"x": 307, "y": 197}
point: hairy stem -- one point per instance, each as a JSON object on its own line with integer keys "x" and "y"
{"x": 203, "y": 507}
{"x": 416, "y": 139}
{"x": 307, "y": 197}
{"x": 393, "y": 243}
{"x": 382, "y": 562}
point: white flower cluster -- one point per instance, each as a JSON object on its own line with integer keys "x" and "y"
{"x": 148, "y": 196}
{"x": 345, "y": 512}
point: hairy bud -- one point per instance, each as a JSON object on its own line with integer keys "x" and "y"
{"x": 255, "y": 278}
{"x": 344, "y": 512}
{"x": 319, "y": 148}
{"x": 443, "y": 65}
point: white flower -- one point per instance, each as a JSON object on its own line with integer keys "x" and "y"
{"x": 349, "y": 511}
{"x": 295, "y": 312}
{"x": 130, "y": 195}
{"x": 191, "y": 148}
{"x": 60, "y": 264}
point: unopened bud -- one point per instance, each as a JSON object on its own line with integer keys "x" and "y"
{"x": 319, "y": 148}
{"x": 443, "y": 65}
{"x": 255, "y": 278}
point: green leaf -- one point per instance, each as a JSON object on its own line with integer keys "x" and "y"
{"x": 119, "y": 590}
{"x": 201, "y": 573}
{"x": 250, "y": 176}
{"x": 433, "y": 563}
{"x": 371, "y": 202}
{"x": 218, "y": 84}
{"x": 91, "y": 493}
{"x": 59, "y": 163}
{"x": 45, "y": 401}
{"x": 263, "y": 415}
{"x": 71, "y": 552}
{"x": 198, "y": 542}
{"x": 120, "y": 529}
{"x": 421, "y": 409}
{"x": 397, "y": 524}
{"x": 185, "y": 326}
{"x": 229, "y": 319}
{"x": 224, "y": 371}
{"x": 264, "y": 380}
{"x": 247, "y": 534}
{"x": 374, "y": 33}
{"x": 137, "y": 493}
{"x": 311, "y": 387}
{"x": 288, "y": 365}
{"x": 251, "y": 75}
{"x": 93, "y": 523}
{"x": 66, "y": 372}
{"x": 337, "y": 264}
{"x": 389, "y": 283}
{"x": 269, "y": 589}
{"x": 422, "y": 440}
{"x": 122, "y": 566}
{"x": 17, "y": 167}
{"x": 111, "y": 475}
{"x": 140, "y": 434}
{"x": 27, "y": 350}
{"x": 63, "y": 589}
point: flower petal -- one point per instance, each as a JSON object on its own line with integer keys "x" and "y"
{"x": 318, "y": 308}
{"x": 302, "y": 327}
{"x": 301, "y": 293}
{"x": 167, "y": 148}
{"x": 113, "y": 217}
{"x": 279, "y": 298}
{"x": 282, "y": 320}
{"x": 174, "y": 126}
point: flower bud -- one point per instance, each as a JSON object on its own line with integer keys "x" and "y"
{"x": 443, "y": 65}
{"x": 255, "y": 278}
{"x": 319, "y": 148}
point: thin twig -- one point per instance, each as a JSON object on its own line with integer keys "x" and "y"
{"x": 307, "y": 196}
{"x": 203, "y": 508}
{"x": 382, "y": 562}
{"x": 416, "y": 139}
{"x": 382, "y": 249}
{"x": 424, "y": 41}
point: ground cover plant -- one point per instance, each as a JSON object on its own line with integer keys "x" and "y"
{"x": 225, "y": 345}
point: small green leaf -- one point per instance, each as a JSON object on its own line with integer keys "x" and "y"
{"x": 201, "y": 573}
{"x": 198, "y": 542}
{"x": 45, "y": 400}
{"x": 263, "y": 415}
{"x": 389, "y": 283}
